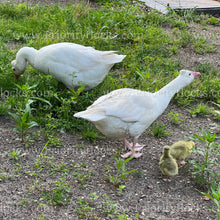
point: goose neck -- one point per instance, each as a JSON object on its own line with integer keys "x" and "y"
{"x": 27, "y": 54}
{"x": 168, "y": 91}
{"x": 166, "y": 153}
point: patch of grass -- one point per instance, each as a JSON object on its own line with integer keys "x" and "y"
{"x": 121, "y": 173}
{"x": 159, "y": 130}
{"x": 15, "y": 155}
{"x": 213, "y": 21}
{"x": 139, "y": 35}
{"x": 62, "y": 168}
{"x": 84, "y": 210}
{"x": 55, "y": 142}
{"x": 5, "y": 176}
{"x": 210, "y": 87}
{"x": 44, "y": 162}
{"x": 202, "y": 46}
{"x": 91, "y": 134}
{"x": 200, "y": 110}
{"x": 23, "y": 202}
{"x": 109, "y": 208}
{"x": 91, "y": 208}
{"x": 4, "y": 108}
{"x": 82, "y": 174}
{"x": 59, "y": 195}
{"x": 175, "y": 118}
{"x": 204, "y": 68}
{"x": 183, "y": 100}
{"x": 216, "y": 112}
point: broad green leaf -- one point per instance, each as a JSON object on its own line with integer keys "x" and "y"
{"x": 42, "y": 100}
{"x": 16, "y": 117}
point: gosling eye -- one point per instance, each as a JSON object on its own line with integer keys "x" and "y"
{"x": 190, "y": 74}
{"x": 13, "y": 69}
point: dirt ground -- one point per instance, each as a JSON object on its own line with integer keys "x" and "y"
{"x": 146, "y": 192}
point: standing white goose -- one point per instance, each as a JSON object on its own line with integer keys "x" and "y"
{"x": 129, "y": 112}
{"x": 68, "y": 63}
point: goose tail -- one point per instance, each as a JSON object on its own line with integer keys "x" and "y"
{"x": 90, "y": 116}
{"x": 192, "y": 144}
{"x": 110, "y": 57}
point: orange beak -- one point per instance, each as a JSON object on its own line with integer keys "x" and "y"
{"x": 16, "y": 76}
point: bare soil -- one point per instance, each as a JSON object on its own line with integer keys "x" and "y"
{"x": 147, "y": 193}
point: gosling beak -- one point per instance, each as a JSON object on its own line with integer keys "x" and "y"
{"x": 195, "y": 74}
{"x": 16, "y": 76}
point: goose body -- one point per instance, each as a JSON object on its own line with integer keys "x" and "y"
{"x": 68, "y": 63}
{"x": 168, "y": 164}
{"x": 181, "y": 149}
{"x": 129, "y": 112}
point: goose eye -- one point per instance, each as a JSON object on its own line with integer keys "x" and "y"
{"x": 190, "y": 74}
{"x": 13, "y": 69}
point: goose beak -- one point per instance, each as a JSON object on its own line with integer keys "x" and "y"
{"x": 195, "y": 74}
{"x": 16, "y": 76}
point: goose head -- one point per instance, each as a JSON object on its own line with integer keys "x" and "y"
{"x": 166, "y": 148}
{"x": 188, "y": 75}
{"x": 18, "y": 69}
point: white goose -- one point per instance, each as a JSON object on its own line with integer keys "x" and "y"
{"x": 129, "y": 112}
{"x": 68, "y": 63}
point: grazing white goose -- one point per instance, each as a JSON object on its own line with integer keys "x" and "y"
{"x": 129, "y": 112}
{"x": 68, "y": 63}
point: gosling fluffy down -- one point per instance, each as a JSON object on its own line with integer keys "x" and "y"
{"x": 168, "y": 164}
{"x": 181, "y": 149}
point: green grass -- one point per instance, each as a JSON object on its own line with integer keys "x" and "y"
{"x": 122, "y": 172}
{"x": 159, "y": 130}
{"x": 200, "y": 110}
{"x": 59, "y": 194}
{"x": 115, "y": 25}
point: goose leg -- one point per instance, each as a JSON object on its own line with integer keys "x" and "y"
{"x": 133, "y": 149}
{"x": 181, "y": 163}
{"x": 129, "y": 146}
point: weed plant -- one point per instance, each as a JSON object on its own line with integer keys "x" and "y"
{"x": 59, "y": 194}
{"x": 214, "y": 195}
{"x": 24, "y": 117}
{"x": 159, "y": 131}
{"x": 4, "y": 109}
{"x": 82, "y": 175}
{"x": 23, "y": 120}
{"x": 200, "y": 110}
{"x": 206, "y": 170}
{"x": 91, "y": 208}
{"x": 121, "y": 173}
{"x": 175, "y": 118}
{"x": 15, "y": 155}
